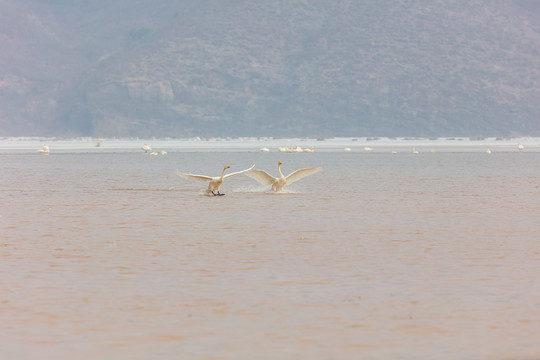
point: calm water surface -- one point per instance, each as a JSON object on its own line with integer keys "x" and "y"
{"x": 110, "y": 255}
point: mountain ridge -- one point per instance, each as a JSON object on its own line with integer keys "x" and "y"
{"x": 391, "y": 68}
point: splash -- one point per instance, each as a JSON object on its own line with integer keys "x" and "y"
{"x": 262, "y": 189}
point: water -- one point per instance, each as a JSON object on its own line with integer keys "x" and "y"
{"x": 107, "y": 254}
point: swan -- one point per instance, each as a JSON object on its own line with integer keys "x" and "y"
{"x": 394, "y": 151}
{"x": 347, "y": 149}
{"x": 368, "y": 149}
{"x": 284, "y": 149}
{"x": 214, "y": 181}
{"x": 520, "y": 147}
{"x": 146, "y": 148}
{"x": 488, "y": 151}
{"x": 264, "y": 149}
{"x": 414, "y": 151}
{"x": 44, "y": 150}
{"x": 309, "y": 150}
{"x": 278, "y": 183}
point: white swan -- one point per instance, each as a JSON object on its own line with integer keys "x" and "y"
{"x": 393, "y": 151}
{"x": 44, "y": 150}
{"x": 520, "y": 147}
{"x": 214, "y": 181}
{"x": 488, "y": 151}
{"x": 278, "y": 183}
{"x": 146, "y": 148}
{"x": 414, "y": 151}
{"x": 284, "y": 149}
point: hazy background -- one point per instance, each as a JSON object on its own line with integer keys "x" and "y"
{"x": 269, "y": 68}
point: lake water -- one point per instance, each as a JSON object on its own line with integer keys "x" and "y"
{"x": 105, "y": 253}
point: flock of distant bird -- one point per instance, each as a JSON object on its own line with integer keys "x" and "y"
{"x": 276, "y": 183}
{"x": 147, "y": 149}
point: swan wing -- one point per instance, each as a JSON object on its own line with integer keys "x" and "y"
{"x": 238, "y": 172}
{"x": 195, "y": 177}
{"x": 261, "y": 176}
{"x": 301, "y": 173}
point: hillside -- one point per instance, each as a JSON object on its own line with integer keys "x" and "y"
{"x": 244, "y": 68}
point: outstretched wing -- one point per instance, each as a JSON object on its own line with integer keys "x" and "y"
{"x": 301, "y": 173}
{"x": 261, "y": 176}
{"x": 238, "y": 172}
{"x": 195, "y": 177}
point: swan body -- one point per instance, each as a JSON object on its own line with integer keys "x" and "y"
{"x": 44, "y": 150}
{"x": 368, "y": 149}
{"x": 347, "y": 149}
{"x": 309, "y": 150}
{"x": 146, "y": 148}
{"x": 214, "y": 182}
{"x": 265, "y": 149}
{"x": 520, "y": 147}
{"x": 285, "y": 149}
{"x": 279, "y": 182}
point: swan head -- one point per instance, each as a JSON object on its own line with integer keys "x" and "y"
{"x": 279, "y": 163}
{"x": 227, "y": 166}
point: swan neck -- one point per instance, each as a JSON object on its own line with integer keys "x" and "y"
{"x": 279, "y": 169}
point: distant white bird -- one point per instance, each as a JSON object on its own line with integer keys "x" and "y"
{"x": 285, "y": 149}
{"x": 214, "y": 181}
{"x": 368, "y": 149}
{"x": 44, "y": 150}
{"x": 347, "y": 149}
{"x": 163, "y": 152}
{"x": 309, "y": 150}
{"x": 488, "y": 151}
{"x": 414, "y": 151}
{"x": 146, "y": 148}
{"x": 278, "y": 183}
{"x": 394, "y": 151}
{"x": 520, "y": 147}
{"x": 265, "y": 149}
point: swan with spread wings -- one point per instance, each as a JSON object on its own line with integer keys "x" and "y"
{"x": 279, "y": 182}
{"x": 214, "y": 182}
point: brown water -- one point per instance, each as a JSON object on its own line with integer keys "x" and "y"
{"x": 113, "y": 256}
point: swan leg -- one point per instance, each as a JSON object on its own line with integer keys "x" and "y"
{"x": 217, "y": 194}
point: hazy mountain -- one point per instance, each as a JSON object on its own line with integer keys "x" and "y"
{"x": 280, "y": 68}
